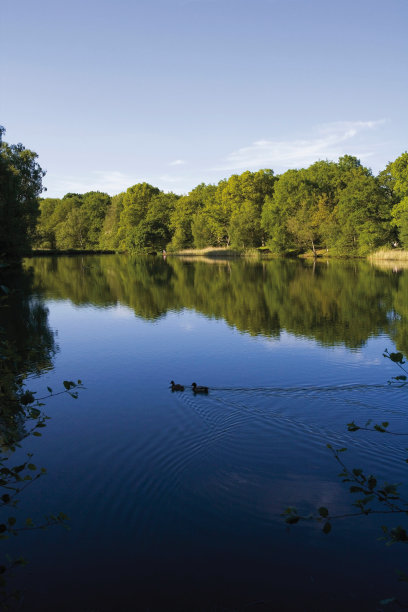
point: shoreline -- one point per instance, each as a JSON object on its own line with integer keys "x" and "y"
{"x": 227, "y": 253}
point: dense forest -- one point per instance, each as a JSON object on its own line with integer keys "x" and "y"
{"x": 340, "y": 207}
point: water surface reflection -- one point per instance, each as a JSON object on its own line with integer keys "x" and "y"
{"x": 175, "y": 499}
{"x": 333, "y": 302}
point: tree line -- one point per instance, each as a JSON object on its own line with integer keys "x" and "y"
{"x": 338, "y": 206}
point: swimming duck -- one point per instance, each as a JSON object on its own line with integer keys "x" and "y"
{"x": 176, "y": 387}
{"x": 199, "y": 389}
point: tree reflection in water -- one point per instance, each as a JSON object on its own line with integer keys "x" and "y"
{"x": 334, "y": 303}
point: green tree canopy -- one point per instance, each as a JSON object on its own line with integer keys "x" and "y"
{"x": 108, "y": 238}
{"x": 185, "y": 211}
{"x": 339, "y": 205}
{"x": 94, "y": 206}
{"x": 20, "y": 185}
{"x": 399, "y": 173}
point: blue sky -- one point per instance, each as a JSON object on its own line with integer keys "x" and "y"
{"x": 179, "y": 92}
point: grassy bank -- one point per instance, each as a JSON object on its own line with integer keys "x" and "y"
{"x": 389, "y": 255}
{"x": 225, "y": 253}
{"x": 209, "y": 252}
{"x": 35, "y": 252}
{"x": 218, "y": 253}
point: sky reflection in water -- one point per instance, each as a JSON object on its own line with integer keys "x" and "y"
{"x": 175, "y": 499}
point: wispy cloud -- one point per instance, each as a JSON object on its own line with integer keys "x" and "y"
{"x": 170, "y": 178}
{"x": 111, "y": 182}
{"x": 328, "y": 143}
{"x": 177, "y": 162}
{"x": 115, "y": 181}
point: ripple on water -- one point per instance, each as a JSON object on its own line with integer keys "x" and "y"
{"x": 227, "y": 451}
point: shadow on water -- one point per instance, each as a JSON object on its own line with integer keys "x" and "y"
{"x": 27, "y": 348}
{"x": 28, "y": 344}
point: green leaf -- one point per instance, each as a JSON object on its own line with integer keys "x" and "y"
{"x": 357, "y": 472}
{"x": 372, "y": 482}
{"x": 396, "y": 357}
{"x": 367, "y": 500}
{"x": 27, "y": 398}
{"x": 402, "y": 576}
{"x": 323, "y": 512}
{"x": 327, "y": 527}
{"x": 292, "y": 520}
{"x": 399, "y": 534}
{"x": 391, "y": 489}
{"x": 36, "y": 434}
{"x": 20, "y": 561}
{"x": 19, "y": 468}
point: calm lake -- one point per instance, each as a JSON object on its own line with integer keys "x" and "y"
{"x": 175, "y": 499}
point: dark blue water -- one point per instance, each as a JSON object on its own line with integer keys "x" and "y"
{"x": 175, "y": 499}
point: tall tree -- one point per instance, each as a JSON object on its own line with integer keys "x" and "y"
{"x": 135, "y": 205}
{"x": 292, "y": 198}
{"x": 64, "y": 222}
{"x": 109, "y": 234}
{"x": 363, "y": 215}
{"x": 399, "y": 172}
{"x": 45, "y": 230}
{"x": 72, "y": 233}
{"x": 20, "y": 185}
{"x": 94, "y": 207}
{"x": 185, "y": 211}
{"x": 339, "y": 205}
{"x": 153, "y": 231}
{"x": 239, "y": 206}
